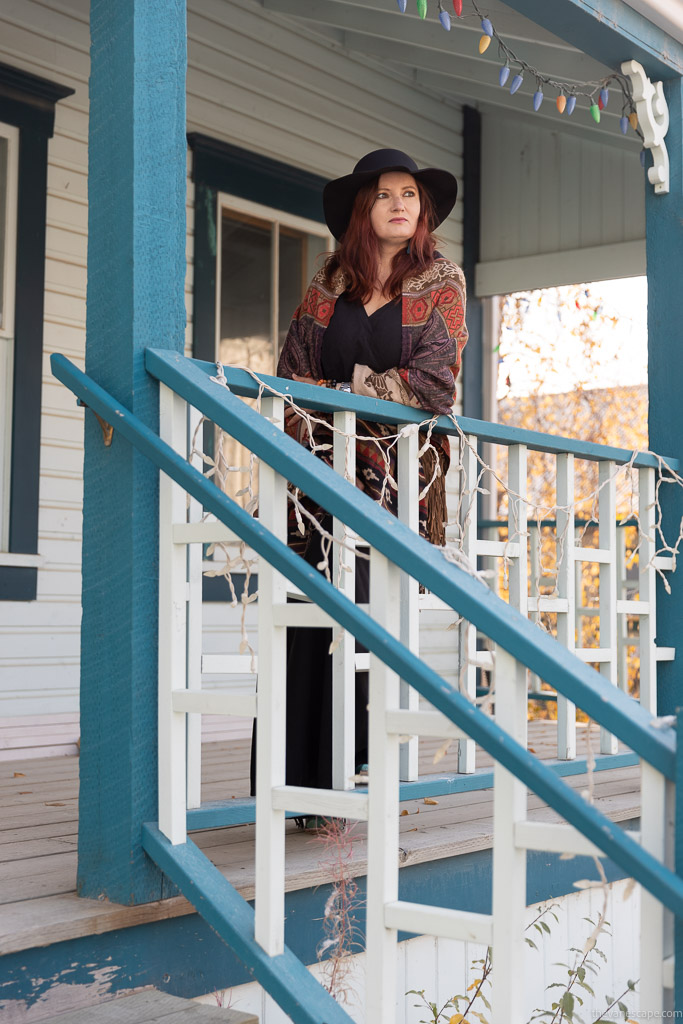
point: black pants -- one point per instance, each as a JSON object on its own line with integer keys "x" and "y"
{"x": 309, "y": 693}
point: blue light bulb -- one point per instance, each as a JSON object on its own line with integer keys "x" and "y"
{"x": 486, "y": 27}
{"x": 445, "y": 19}
{"x": 538, "y": 99}
{"x": 604, "y": 95}
{"x": 516, "y": 82}
{"x": 623, "y": 124}
{"x": 504, "y": 74}
{"x": 402, "y": 4}
{"x": 571, "y": 103}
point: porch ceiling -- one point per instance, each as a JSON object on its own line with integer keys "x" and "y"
{"x": 449, "y": 64}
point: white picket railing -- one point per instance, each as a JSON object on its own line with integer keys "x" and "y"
{"x": 392, "y": 713}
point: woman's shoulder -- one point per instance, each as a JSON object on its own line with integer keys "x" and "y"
{"x": 440, "y": 271}
{"x": 332, "y": 288}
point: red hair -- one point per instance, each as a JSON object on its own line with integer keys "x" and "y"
{"x": 358, "y": 254}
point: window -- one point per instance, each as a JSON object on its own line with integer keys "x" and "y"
{"x": 9, "y": 149}
{"x": 27, "y": 113}
{"x": 258, "y": 236}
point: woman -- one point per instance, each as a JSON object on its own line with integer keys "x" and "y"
{"x": 384, "y": 318}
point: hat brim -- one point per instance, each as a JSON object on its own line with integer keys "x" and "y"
{"x": 340, "y": 194}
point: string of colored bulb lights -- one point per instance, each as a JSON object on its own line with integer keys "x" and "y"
{"x": 568, "y": 93}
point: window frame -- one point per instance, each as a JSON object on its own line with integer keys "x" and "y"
{"x": 246, "y": 177}
{"x": 27, "y": 103}
{"x": 277, "y": 219}
{"x": 11, "y": 134}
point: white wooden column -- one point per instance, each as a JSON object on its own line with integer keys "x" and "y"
{"x": 173, "y": 597}
{"x": 566, "y": 619}
{"x": 271, "y": 707}
{"x": 607, "y": 541}
{"x": 409, "y": 513}
{"x": 383, "y": 805}
{"x": 647, "y": 588}
{"x": 344, "y": 655}
{"x": 509, "y": 861}
{"x": 195, "y": 556}
{"x": 467, "y": 646}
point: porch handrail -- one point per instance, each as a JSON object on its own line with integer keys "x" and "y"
{"x": 309, "y": 396}
{"x": 466, "y": 595}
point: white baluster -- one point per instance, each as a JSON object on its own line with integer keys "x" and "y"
{"x": 173, "y": 595}
{"x": 518, "y": 581}
{"x": 343, "y": 658}
{"x": 566, "y": 635}
{"x": 535, "y": 539}
{"x": 271, "y": 712}
{"x": 383, "y": 806}
{"x": 656, "y": 825}
{"x": 622, "y": 617}
{"x": 607, "y": 540}
{"x": 195, "y": 556}
{"x": 509, "y": 861}
{"x": 467, "y": 646}
{"x": 647, "y": 587}
{"x": 409, "y": 513}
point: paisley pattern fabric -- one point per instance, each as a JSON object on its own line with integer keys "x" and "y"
{"x": 433, "y": 335}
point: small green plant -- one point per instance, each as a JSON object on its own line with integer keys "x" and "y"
{"x": 460, "y": 1009}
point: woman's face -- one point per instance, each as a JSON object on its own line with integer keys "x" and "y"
{"x": 395, "y": 212}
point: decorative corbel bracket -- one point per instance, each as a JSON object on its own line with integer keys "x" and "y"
{"x": 653, "y": 118}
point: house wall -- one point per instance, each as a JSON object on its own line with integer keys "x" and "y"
{"x": 252, "y": 81}
{"x": 557, "y": 208}
{"x": 446, "y": 967}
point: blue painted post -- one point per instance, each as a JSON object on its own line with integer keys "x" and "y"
{"x": 136, "y": 272}
{"x": 665, "y": 366}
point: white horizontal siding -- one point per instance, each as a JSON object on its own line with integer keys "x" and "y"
{"x": 256, "y": 81}
{"x": 444, "y": 967}
{"x": 545, "y": 193}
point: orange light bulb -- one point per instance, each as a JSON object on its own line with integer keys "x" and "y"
{"x": 561, "y": 103}
{"x": 484, "y": 43}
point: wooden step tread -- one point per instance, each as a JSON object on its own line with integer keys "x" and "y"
{"x": 152, "y": 1007}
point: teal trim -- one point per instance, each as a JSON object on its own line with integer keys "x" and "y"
{"x": 285, "y": 977}
{"x": 474, "y": 600}
{"x": 325, "y": 400}
{"x": 664, "y": 239}
{"x": 136, "y": 279}
{"x": 609, "y": 31}
{"x": 471, "y": 383}
{"x": 185, "y": 957}
{"x": 222, "y": 813}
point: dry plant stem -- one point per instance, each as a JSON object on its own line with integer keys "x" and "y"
{"x": 488, "y": 965}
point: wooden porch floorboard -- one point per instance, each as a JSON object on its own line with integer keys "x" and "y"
{"x": 39, "y": 830}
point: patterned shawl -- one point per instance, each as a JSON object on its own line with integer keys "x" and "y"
{"x": 432, "y": 339}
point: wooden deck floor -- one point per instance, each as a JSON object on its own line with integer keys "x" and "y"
{"x": 38, "y": 837}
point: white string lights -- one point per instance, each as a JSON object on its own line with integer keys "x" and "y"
{"x": 514, "y": 69}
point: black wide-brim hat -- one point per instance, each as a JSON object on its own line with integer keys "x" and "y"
{"x": 339, "y": 195}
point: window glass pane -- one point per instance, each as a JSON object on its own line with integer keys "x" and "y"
{"x": 245, "y": 294}
{"x": 290, "y": 285}
{"x": 4, "y": 153}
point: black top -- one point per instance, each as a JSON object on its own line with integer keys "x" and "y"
{"x": 354, "y": 337}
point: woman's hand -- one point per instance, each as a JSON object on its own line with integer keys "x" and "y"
{"x": 306, "y": 380}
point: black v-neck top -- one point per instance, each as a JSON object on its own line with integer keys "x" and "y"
{"x": 354, "y": 337}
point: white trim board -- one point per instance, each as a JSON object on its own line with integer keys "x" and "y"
{"x": 547, "y": 270}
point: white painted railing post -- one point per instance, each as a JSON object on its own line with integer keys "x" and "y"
{"x": 656, "y": 826}
{"x": 607, "y": 541}
{"x": 271, "y": 706}
{"x": 467, "y": 640}
{"x": 409, "y": 513}
{"x": 647, "y": 590}
{"x": 383, "y": 803}
{"x": 566, "y": 620}
{"x": 509, "y": 861}
{"x": 535, "y": 538}
{"x": 344, "y": 655}
{"x": 195, "y": 556}
{"x": 518, "y": 532}
{"x": 173, "y": 598}
{"x": 622, "y": 617}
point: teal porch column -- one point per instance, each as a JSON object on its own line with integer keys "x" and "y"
{"x": 665, "y": 376}
{"x": 136, "y": 272}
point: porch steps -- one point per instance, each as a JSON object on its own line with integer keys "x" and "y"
{"x": 152, "y": 1007}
